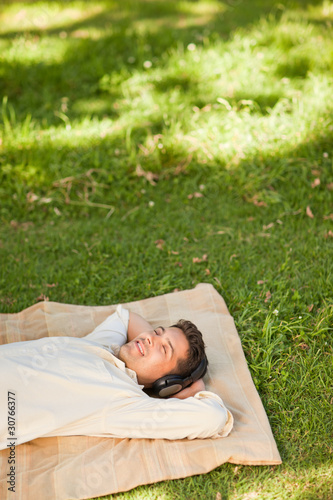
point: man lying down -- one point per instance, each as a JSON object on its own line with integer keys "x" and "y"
{"x": 97, "y": 385}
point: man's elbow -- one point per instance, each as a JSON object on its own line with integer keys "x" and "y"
{"x": 212, "y": 422}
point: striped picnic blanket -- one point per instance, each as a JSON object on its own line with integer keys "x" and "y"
{"x": 81, "y": 467}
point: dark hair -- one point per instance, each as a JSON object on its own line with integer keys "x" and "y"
{"x": 196, "y": 351}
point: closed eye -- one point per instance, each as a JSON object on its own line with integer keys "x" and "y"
{"x": 159, "y": 331}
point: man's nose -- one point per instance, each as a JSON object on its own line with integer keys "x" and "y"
{"x": 150, "y": 338}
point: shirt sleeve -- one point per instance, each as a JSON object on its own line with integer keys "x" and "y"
{"x": 201, "y": 416}
{"x": 113, "y": 330}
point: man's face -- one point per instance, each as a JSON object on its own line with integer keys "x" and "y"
{"x": 155, "y": 354}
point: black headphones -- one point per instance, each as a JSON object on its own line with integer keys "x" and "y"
{"x": 171, "y": 384}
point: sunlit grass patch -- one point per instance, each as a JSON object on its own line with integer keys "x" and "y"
{"x": 39, "y": 16}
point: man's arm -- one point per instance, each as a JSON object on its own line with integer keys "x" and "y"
{"x": 117, "y": 329}
{"x": 113, "y": 330}
{"x": 136, "y": 325}
{"x": 202, "y": 416}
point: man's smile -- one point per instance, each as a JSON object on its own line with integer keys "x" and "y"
{"x": 140, "y": 347}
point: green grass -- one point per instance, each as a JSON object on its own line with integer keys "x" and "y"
{"x": 228, "y": 109}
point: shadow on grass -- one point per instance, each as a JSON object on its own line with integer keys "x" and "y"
{"x": 133, "y": 32}
{"x": 229, "y": 15}
{"x": 44, "y": 90}
{"x": 101, "y": 170}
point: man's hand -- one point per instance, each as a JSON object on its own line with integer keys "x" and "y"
{"x": 191, "y": 390}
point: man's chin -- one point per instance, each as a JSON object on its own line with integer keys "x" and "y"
{"x": 122, "y": 353}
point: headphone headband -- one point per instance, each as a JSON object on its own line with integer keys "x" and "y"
{"x": 171, "y": 384}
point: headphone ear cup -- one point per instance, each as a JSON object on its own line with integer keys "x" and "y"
{"x": 171, "y": 384}
{"x": 167, "y": 386}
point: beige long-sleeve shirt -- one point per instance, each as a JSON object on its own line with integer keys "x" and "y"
{"x": 77, "y": 386}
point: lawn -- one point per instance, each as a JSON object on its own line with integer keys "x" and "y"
{"x": 147, "y": 146}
